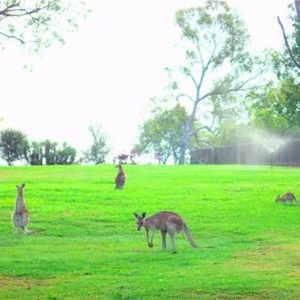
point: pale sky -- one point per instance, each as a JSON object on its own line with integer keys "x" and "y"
{"x": 108, "y": 70}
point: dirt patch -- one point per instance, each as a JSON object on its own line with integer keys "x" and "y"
{"x": 7, "y": 282}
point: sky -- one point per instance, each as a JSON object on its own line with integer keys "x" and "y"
{"x": 108, "y": 70}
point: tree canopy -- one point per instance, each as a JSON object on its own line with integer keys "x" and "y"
{"x": 37, "y": 23}
{"x": 13, "y": 145}
{"x": 99, "y": 148}
{"x": 216, "y": 58}
{"x": 291, "y": 55}
{"x": 162, "y": 133}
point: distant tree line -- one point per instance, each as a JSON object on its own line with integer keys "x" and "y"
{"x": 15, "y": 146}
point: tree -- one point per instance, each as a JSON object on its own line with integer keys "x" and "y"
{"x": 66, "y": 155}
{"x": 99, "y": 149}
{"x": 215, "y": 58}
{"x": 292, "y": 50}
{"x": 277, "y": 108}
{"x": 49, "y": 153}
{"x": 34, "y": 154}
{"x": 13, "y": 145}
{"x": 222, "y": 115}
{"x": 37, "y": 23}
{"x": 162, "y": 134}
{"x": 231, "y": 133}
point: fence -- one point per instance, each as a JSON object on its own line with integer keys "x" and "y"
{"x": 287, "y": 154}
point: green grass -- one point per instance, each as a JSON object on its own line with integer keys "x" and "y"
{"x": 86, "y": 246}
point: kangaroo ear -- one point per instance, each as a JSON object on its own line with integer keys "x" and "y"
{"x": 135, "y": 214}
{"x": 23, "y": 185}
{"x": 143, "y": 214}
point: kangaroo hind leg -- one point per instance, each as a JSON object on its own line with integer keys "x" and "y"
{"x": 172, "y": 232}
{"x": 163, "y": 239}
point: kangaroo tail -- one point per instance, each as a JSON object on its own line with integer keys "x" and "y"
{"x": 189, "y": 236}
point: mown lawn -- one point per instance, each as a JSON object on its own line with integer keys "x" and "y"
{"x": 85, "y": 244}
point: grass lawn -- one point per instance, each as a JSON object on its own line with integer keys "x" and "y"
{"x": 85, "y": 244}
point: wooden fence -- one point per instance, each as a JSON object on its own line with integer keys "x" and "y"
{"x": 256, "y": 154}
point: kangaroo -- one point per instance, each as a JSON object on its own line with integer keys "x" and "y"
{"x": 286, "y": 197}
{"x": 120, "y": 178}
{"x": 21, "y": 214}
{"x": 166, "y": 222}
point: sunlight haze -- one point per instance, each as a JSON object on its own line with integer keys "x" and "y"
{"x": 108, "y": 70}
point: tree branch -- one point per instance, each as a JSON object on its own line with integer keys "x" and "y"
{"x": 287, "y": 45}
{"x": 212, "y": 131}
{"x": 184, "y": 95}
{"x": 12, "y": 37}
{"x": 235, "y": 89}
{"x": 8, "y": 8}
{"x": 204, "y": 70}
{"x": 15, "y": 10}
{"x": 207, "y": 127}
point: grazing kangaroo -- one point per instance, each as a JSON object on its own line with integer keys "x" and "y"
{"x": 286, "y": 197}
{"x": 166, "y": 222}
{"x": 120, "y": 178}
{"x": 21, "y": 215}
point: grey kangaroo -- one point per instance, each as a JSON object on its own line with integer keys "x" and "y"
{"x": 21, "y": 214}
{"x": 167, "y": 222}
{"x": 120, "y": 178}
{"x": 286, "y": 197}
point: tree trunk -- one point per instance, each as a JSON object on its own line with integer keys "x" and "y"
{"x": 184, "y": 143}
{"x": 186, "y": 134}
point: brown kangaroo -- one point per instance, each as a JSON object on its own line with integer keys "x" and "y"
{"x": 286, "y": 197}
{"x": 120, "y": 178}
{"x": 21, "y": 214}
{"x": 167, "y": 222}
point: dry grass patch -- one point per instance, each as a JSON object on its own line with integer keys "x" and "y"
{"x": 8, "y": 282}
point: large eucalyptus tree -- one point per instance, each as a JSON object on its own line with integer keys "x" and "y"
{"x": 216, "y": 58}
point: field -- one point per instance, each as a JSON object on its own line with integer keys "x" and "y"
{"x": 85, "y": 244}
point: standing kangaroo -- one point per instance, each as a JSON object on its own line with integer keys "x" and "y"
{"x": 21, "y": 215}
{"x": 286, "y": 197}
{"x": 166, "y": 222}
{"x": 120, "y": 178}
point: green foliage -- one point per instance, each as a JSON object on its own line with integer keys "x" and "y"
{"x": 66, "y": 155}
{"x": 99, "y": 149}
{"x": 283, "y": 65}
{"x": 231, "y": 133}
{"x": 36, "y": 24}
{"x": 85, "y": 244}
{"x": 49, "y": 152}
{"x": 162, "y": 133}
{"x": 224, "y": 114}
{"x": 34, "y": 154}
{"x": 216, "y": 59}
{"x": 278, "y": 108}
{"x": 13, "y": 145}
{"x": 216, "y": 35}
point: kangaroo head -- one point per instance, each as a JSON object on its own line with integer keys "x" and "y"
{"x": 278, "y": 198}
{"x": 20, "y": 189}
{"x": 139, "y": 220}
